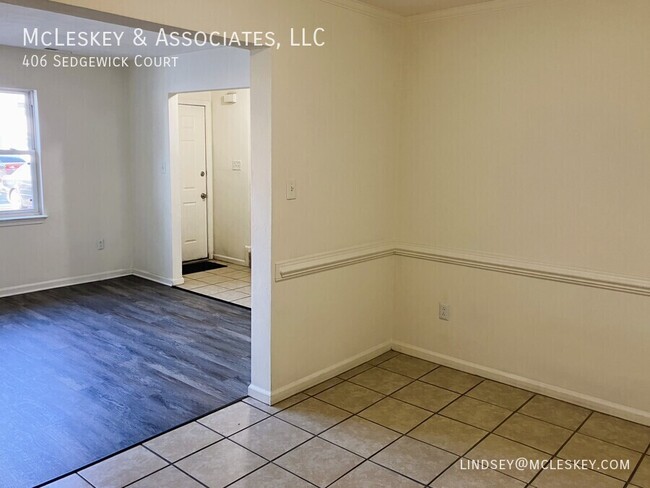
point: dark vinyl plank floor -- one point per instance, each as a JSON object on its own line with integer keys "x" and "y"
{"x": 88, "y": 370}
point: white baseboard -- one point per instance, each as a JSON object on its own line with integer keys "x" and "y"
{"x": 158, "y": 279}
{"x": 60, "y": 283}
{"x": 260, "y": 394}
{"x": 302, "y": 384}
{"x": 570, "y": 396}
{"x": 587, "y": 401}
{"x": 229, "y": 259}
{"x": 322, "y": 375}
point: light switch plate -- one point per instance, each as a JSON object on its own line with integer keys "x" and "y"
{"x": 291, "y": 190}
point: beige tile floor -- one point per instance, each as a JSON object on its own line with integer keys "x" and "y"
{"x": 231, "y": 284}
{"x": 396, "y": 421}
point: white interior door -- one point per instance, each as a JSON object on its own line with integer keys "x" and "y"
{"x": 195, "y": 199}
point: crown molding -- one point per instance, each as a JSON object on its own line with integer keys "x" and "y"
{"x": 368, "y": 10}
{"x": 472, "y": 9}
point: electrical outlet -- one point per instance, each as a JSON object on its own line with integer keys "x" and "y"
{"x": 444, "y": 312}
{"x": 236, "y": 165}
{"x": 100, "y": 245}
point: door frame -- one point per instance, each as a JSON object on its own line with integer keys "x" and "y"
{"x": 194, "y": 99}
{"x": 262, "y": 282}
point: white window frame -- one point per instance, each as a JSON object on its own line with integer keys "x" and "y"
{"x": 36, "y": 214}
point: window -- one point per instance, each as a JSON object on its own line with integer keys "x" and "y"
{"x": 20, "y": 195}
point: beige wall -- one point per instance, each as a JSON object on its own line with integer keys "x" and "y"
{"x": 86, "y": 184}
{"x": 334, "y": 116}
{"x": 518, "y": 132}
{"x": 525, "y": 134}
{"x": 157, "y": 242}
{"x": 231, "y": 189}
{"x": 525, "y": 137}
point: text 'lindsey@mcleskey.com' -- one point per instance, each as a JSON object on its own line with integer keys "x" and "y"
{"x": 525, "y": 464}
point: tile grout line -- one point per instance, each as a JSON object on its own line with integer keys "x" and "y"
{"x": 227, "y": 279}
{"x": 352, "y": 415}
{"x": 401, "y": 434}
{"x": 554, "y": 456}
{"x": 313, "y": 436}
{"x": 266, "y": 463}
{"x": 533, "y": 395}
{"x": 212, "y": 298}
{"x": 271, "y": 463}
{"x": 604, "y": 473}
{"x": 122, "y": 451}
{"x": 169, "y": 463}
{"x": 628, "y": 483}
{"x": 235, "y": 481}
{"x": 483, "y": 380}
{"x": 491, "y": 432}
{"x": 229, "y": 437}
{"x": 153, "y": 472}
{"x": 517, "y": 411}
{"x": 80, "y": 476}
{"x": 525, "y": 414}
{"x": 277, "y": 457}
{"x": 384, "y": 396}
{"x": 223, "y": 437}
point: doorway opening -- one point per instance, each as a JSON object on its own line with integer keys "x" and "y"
{"x": 140, "y": 383}
{"x": 213, "y": 131}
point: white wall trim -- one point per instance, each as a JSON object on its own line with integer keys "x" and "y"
{"x": 228, "y": 259}
{"x": 531, "y": 269}
{"x": 260, "y": 394}
{"x": 80, "y": 280}
{"x": 574, "y": 397}
{"x": 472, "y": 9}
{"x": 318, "y": 377}
{"x": 587, "y": 401}
{"x": 158, "y": 279}
{"x": 302, "y": 384}
{"x": 261, "y": 162}
{"x": 368, "y": 10}
{"x": 62, "y": 282}
{"x": 434, "y": 16}
{"x": 318, "y": 263}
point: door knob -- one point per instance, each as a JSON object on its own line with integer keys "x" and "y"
{"x": 204, "y": 196}
{"x": 202, "y": 173}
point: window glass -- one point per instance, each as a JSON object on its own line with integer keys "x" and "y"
{"x": 14, "y": 121}
{"x": 19, "y": 159}
{"x": 16, "y": 183}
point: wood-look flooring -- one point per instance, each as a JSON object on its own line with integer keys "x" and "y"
{"x": 88, "y": 370}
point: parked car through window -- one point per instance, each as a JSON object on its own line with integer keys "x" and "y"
{"x": 20, "y": 174}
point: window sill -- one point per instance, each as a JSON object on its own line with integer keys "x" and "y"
{"x": 27, "y": 220}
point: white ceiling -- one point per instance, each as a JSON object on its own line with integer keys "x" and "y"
{"x": 14, "y": 18}
{"x": 414, "y": 7}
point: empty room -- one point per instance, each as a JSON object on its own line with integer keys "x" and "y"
{"x": 324, "y": 243}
